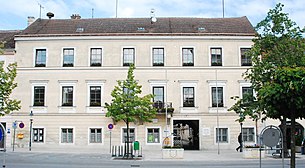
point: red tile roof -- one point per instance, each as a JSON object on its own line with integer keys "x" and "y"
{"x": 7, "y": 36}
{"x": 239, "y": 26}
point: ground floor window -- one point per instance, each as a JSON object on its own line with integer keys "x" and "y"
{"x": 131, "y": 135}
{"x": 95, "y": 135}
{"x": 38, "y": 135}
{"x": 248, "y": 135}
{"x": 153, "y": 135}
{"x": 67, "y": 135}
{"x": 222, "y": 135}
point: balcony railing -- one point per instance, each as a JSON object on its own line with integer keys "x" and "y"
{"x": 161, "y": 107}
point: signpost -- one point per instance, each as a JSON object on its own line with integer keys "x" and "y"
{"x": 3, "y": 138}
{"x": 110, "y": 127}
{"x": 21, "y": 125}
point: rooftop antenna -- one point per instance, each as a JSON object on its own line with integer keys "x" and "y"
{"x": 40, "y": 6}
{"x": 223, "y": 8}
{"x": 116, "y": 8}
{"x": 153, "y": 18}
{"x": 92, "y": 12}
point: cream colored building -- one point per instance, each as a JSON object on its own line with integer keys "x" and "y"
{"x": 67, "y": 69}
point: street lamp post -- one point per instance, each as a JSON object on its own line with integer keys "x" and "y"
{"x": 241, "y": 131}
{"x": 31, "y": 125}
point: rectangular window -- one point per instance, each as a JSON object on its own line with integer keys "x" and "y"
{"x": 153, "y": 135}
{"x": 95, "y": 95}
{"x": 247, "y": 91}
{"x": 188, "y": 57}
{"x": 245, "y": 59}
{"x": 95, "y": 135}
{"x": 68, "y": 57}
{"x": 96, "y": 57}
{"x": 188, "y": 97}
{"x": 222, "y": 135}
{"x": 67, "y": 135}
{"x": 131, "y": 135}
{"x": 128, "y": 56}
{"x": 216, "y": 56}
{"x": 217, "y": 95}
{"x": 40, "y": 58}
{"x": 39, "y": 95}
{"x": 158, "y": 92}
{"x": 158, "y": 56}
{"x": 38, "y": 135}
{"x": 67, "y": 96}
{"x": 248, "y": 135}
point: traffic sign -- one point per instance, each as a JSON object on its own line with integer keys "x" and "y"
{"x": 110, "y": 126}
{"x": 14, "y": 125}
{"x": 1, "y": 134}
{"x": 21, "y": 125}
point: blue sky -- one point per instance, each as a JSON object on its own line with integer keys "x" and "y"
{"x": 14, "y": 13}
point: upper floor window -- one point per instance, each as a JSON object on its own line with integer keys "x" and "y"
{"x": 188, "y": 97}
{"x": 95, "y": 95}
{"x": 158, "y": 56}
{"x": 245, "y": 58}
{"x": 217, "y": 97}
{"x": 40, "y": 57}
{"x": 39, "y": 96}
{"x": 188, "y": 57}
{"x": 216, "y": 56}
{"x": 67, "y": 96}
{"x": 247, "y": 91}
{"x": 68, "y": 57}
{"x": 96, "y": 57}
{"x": 158, "y": 92}
{"x": 128, "y": 56}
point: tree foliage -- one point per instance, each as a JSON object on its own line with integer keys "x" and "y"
{"x": 7, "y": 85}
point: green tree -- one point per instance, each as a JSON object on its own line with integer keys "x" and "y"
{"x": 7, "y": 85}
{"x": 277, "y": 74}
{"x": 128, "y": 106}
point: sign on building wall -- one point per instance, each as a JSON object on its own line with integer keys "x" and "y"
{"x": 206, "y": 131}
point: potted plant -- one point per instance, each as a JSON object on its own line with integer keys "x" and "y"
{"x": 172, "y": 152}
{"x": 252, "y": 152}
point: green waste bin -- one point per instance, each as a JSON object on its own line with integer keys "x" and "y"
{"x": 136, "y": 145}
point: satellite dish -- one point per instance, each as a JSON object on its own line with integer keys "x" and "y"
{"x": 153, "y": 19}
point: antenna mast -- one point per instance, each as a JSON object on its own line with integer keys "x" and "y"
{"x": 116, "y": 8}
{"x": 92, "y": 12}
{"x": 40, "y": 6}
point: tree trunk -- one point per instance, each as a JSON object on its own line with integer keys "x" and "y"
{"x": 127, "y": 141}
{"x": 292, "y": 159}
{"x": 284, "y": 131}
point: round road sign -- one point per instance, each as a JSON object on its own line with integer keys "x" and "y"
{"x": 110, "y": 126}
{"x": 271, "y": 137}
{"x": 21, "y": 125}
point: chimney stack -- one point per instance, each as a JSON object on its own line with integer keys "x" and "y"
{"x": 75, "y": 16}
{"x": 31, "y": 19}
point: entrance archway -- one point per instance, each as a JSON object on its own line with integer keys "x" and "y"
{"x": 299, "y": 131}
{"x": 186, "y": 134}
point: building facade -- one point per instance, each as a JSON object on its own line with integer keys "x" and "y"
{"x": 67, "y": 69}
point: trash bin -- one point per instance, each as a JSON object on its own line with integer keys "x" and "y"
{"x": 136, "y": 145}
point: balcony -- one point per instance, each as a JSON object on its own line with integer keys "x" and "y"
{"x": 161, "y": 107}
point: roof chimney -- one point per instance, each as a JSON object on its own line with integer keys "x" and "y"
{"x": 75, "y": 16}
{"x": 31, "y": 19}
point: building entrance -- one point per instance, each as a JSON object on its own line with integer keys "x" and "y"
{"x": 186, "y": 134}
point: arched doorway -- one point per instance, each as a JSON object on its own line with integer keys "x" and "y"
{"x": 186, "y": 134}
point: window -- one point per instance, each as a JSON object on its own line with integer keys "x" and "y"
{"x": 95, "y": 95}
{"x": 158, "y": 92}
{"x": 248, "y": 135}
{"x": 216, "y": 56}
{"x": 68, "y": 57}
{"x": 67, "y": 135}
{"x": 128, "y": 56}
{"x": 39, "y": 95}
{"x": 247, "y": 91}
{"x": 95, "y": 135}
{"x": 38, "y": 135}
{"x": 67, "y": 96}
{"x": 217, "y": 95}
{"x": 131, "y": 135}
{"x": 245, "y": 59}
{"x": 222, "y": 135}
{"x": 188, "y": 97}
{"x": 153, "y": 135}
{"x": 40, "y": 58}
{"x": 96, "y": 57}
{"x": 158, "y": 56}
{"x": 188, "y": 57}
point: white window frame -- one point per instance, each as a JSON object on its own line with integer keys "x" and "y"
{"x": 60, "y": 133}
{"x": 44, "y": 135}
{"x": 222, "y": 55}
{"x": 218, "y": 83}
{"x": 97, "y": 127}
{"x": 67, "y": 109}
{"x": 181, "y": 54}
{"x": 188, "y": 83}
{"x": 159, "y": 83}
{"x": 152, "y": 56}
{"x": 122, "y": 54}
{"x": 89, "y": 53}
{"x": 34, "y": 55}
{"x": 39, "y": 109}
{"x": 242, "y": 84}
{"x": 254, "y": 136}
{"x": 62, "y": 56}
{"x": 239, "y": 54}
{"x": 95, "y": 109}
{"x": 215, "y": 136}
{"x": 130, "y": 127}
{"x": 160, "y": 135}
